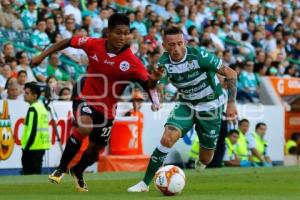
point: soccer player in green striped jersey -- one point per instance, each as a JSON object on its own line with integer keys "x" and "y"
{"x": 194, "y": 73}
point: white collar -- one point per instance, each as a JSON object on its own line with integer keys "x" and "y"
{"x": 184, "y": 57}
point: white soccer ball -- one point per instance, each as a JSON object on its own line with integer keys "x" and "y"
{"x": 169, "y": 180}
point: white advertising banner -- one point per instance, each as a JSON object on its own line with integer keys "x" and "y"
{"x": 13, "y": 114}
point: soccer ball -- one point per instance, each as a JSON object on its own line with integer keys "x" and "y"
{"x": 169, "y": 180}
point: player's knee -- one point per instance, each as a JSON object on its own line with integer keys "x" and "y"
{"x": 167, "y": 141}
{"x": 171, "y": 135}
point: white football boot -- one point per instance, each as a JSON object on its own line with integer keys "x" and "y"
{"x": 139, "y": 187}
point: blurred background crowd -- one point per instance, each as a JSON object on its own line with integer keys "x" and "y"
{"x": 256, "y": 38}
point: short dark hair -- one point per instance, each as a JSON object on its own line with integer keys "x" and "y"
{"x": 34, "y": 88}
{"x": 118, "y": 19}
{"x": 295, "y": 136}
{"x": 242, "y": 121}
{"x": 233, "y": 132}
{"x": 62, "y": 90}
{"x": 172, "y": 31}
{"x": 22, "y": 72}
{"x": 259, "y": 125}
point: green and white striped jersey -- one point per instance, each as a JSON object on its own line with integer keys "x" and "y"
{"x": 195, "y": 78}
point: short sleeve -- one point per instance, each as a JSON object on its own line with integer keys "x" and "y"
{"x": 226, "y": 155}
{"x": 209, "y": 60}
{"x": 250, "y": 140}
{"x": 140, "y": 73}
{"x": 79, "y": 42}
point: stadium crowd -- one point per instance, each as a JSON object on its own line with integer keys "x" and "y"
{"x": 256, "y": 38}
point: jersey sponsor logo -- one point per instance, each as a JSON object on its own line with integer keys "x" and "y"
{"x": 82, "y": 40}
{"x": 194, "y": 89}
{"x": 87, "y": 110}
{"x": 124, "y": 66}
{"x": 108, "y": 62}
{"x": 182, "y": 67}
{"x": 94, "y": 57}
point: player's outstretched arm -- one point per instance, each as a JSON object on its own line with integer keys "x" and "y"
{"x": 54, "y": 48}
{"x": 231, "y": 78}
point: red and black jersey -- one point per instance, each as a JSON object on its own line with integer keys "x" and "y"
{"x": 107, "y": 74}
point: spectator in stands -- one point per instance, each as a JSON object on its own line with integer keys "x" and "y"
{"x": 280, "y": 49}
{"x": 150, "y": 39}
{"x": 193, "y": 34}
{"x": 55, "y": 70}
{"x": 292, "y": 146}
{"x": 142, "y": 53}
{"x": 29, "y": 15}
{"x": 52, "y": 83}
{"x": 248, "y": 84}
{"x": 270, "y": 43}
{"x": 4, "y": 76}
{"x": 65, "y": 94}
{"x": 23, "y": 64}
{"x": 13, "y": 63}
{"x": 242, "y": 145}
{"x": 87, "y": 25}
{"x": 170, "y": 8}
{"x": 260, "y": 57}
{"x": 100, "y": 22}
{"x": 139, "y": 23}
{"x": 9, "y": 16}
{"x": 39, "y": 38}
{"x": 51, "y": 29}
{"x": 259, "y": 146}
{"x": 40, "y": 72}
{"x": 290, "y": 72}
{"x": 73, "y": 9}
{"x": 22, "y": 78}
{"x": 235, "y": 33}
{"x": 258, "y": 41}
{"x": 246, "y": 48}
{"x": 296, "y": 51}
{"x": 59, "y": 23}
{"x": 153, "y": 59}
{"x": 8, "y": 51}
{"x": 70, "y": 27}
{"x": 160, "y": 9}
{"x": 91, "y": 9}
{"x": 13, "y": 92}
{"x": 227, "y": 58}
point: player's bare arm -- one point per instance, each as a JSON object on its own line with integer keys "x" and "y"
{"x": 54, "y": 48}
{"x": 231, "y": 78}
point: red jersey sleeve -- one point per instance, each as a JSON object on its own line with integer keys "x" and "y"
{"x": 140, "y": 72}
{"x": 79, "y": 42}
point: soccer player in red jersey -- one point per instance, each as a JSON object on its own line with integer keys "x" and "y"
{"x": 112, "y": 66}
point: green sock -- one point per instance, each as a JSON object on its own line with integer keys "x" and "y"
{"x": 156, "y": 161}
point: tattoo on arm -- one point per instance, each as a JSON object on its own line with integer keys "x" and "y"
{"x": 221, "y": 70}
{"x": 231, "y": 84}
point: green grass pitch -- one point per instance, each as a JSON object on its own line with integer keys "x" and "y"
{"x": 278, "y": 183}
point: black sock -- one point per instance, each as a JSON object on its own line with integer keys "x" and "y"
{"x": 72, "y": 147}
{"x": 82, "y": 164}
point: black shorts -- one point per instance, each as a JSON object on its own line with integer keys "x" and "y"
{"x": 101, "y": 125}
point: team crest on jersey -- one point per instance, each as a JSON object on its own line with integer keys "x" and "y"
{"x": 82, "y": 40}
{"x": 87, "y": 110}
{"x": 124, "y": 66}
